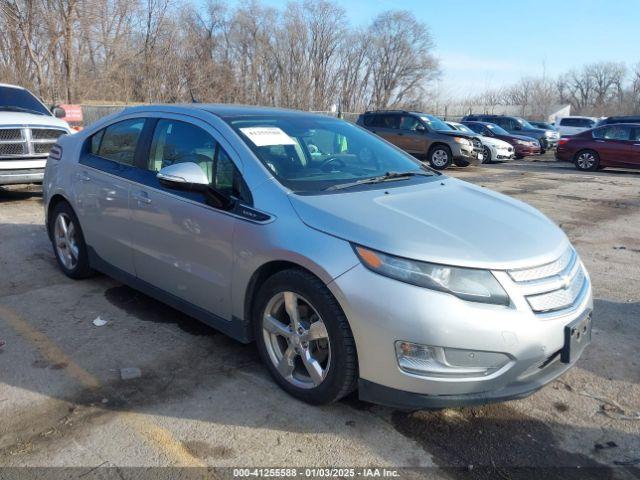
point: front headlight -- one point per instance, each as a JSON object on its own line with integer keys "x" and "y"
{"x": 462, "y": 141}
{"x": 469, "y": 284}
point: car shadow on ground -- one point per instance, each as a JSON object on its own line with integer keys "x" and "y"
{"x": 14, "y": 194}
{"x": 191, "y": 371}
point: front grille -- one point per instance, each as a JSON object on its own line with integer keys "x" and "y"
{"x": 543, "y": 271}
{"x": 11, "y": 149}
{"x": 18, "y": 143}
{"x": 10, "y": 134}
{"x": 42, "y": 147}
{"x": 46, "y": 133}
{"x": 558, "y": 299}
{"x": 554, "y": 286}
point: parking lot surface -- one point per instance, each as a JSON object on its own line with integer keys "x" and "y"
{"x": 198, "y": 398}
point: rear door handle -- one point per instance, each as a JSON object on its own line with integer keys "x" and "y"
{"x": 142, "y": 197}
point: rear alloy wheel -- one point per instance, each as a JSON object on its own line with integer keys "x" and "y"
{"x": 486, "y": 154}
{"x": 440, "y": 157}
{"x": 68, "y": 242}
{"x": 304, "y": 338}
{"x": 587, "y": 160}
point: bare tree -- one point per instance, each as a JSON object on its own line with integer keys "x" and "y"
{"x": 401, "y": 58}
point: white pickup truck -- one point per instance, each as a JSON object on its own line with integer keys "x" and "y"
{"x": 27, "y": 131}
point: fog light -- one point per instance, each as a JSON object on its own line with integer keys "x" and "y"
{"x": 447, "y": 362}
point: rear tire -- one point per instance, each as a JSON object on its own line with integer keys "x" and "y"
{"x": 587, "y": 160}
{"x": 461, "y": 163}
{"x": 68, "y": 242}
{"x": 316, "y": 365}
{"x": 440, "y": 157}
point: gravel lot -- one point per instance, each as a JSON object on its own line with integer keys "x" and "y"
{"x": 205, "y": 400}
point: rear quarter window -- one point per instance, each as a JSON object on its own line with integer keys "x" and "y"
{"x": 120, "y": 140}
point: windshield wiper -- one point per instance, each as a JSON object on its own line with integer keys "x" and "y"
{"x": 387, "y": 177}
{"x": 15, "y": 108}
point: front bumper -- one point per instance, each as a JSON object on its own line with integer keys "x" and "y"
{"x": 17, "y": 177}
{"x": 19, "y": 171}
{"x": 466, "y": 153}
{"x": 549, "y": 142}
{"x": 527, "y": 151}
{"x": 387, "y": 311}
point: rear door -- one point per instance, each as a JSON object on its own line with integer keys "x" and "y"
{"x": 181, "y": 244}
{"x": 387, "y": 126}
{"x": 613, "y": 144}
{"x": 102, "y": 189}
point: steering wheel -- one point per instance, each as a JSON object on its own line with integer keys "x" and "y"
{"x": 326, "y": 165}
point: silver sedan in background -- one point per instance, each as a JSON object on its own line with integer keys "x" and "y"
{"x": 349, "y": 263}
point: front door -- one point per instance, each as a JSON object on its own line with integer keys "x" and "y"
{"x": 103, "y": 192}
{"x": 412, "y": 135}
{"x": 634, "y": 159}
{"x": 181, "y": 244}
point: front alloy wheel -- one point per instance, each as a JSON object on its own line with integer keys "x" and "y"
{"x": 440, "y": 158}
{"x": 304, "y": 338}
{"x": 296, "y": 339}
{"x": 486, "y": 154}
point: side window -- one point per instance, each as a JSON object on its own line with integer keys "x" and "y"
{"x": 618, "y": 132}
{"x": 635, "y": 136}
{"x": 227, "y": 176}
{"x": 390, "y": 121}
{"x": 613, "y": 132}
{"x": 96, "y": 138}
{"x": 371, "y": 120}
{"x": 119, "y": 141}
{"x": 408, "y": 122}
{"x": 178, "y": 142}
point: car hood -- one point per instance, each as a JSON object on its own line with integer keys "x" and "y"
{"x": 456, "y": 133}
{"x": 513, "y": 138}
{"x": 496, "y": 142}
{"x": 445, "y": 221}
{"x": 30, "y": 119}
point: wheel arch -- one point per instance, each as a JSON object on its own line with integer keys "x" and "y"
{"x": 439, "y": 143}
{"x": 54, "y": 201}
{"x": 260, "y": 276}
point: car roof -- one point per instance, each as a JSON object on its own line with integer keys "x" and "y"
{"x": 478, "y": 121}
{"x": 8, "y": 85}
{"x": 221, "y": 110}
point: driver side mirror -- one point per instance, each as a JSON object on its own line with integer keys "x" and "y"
{"x": 517, "y": 127}
{"x": 59, "y": 112}
{"x": 421, "y": 128}
{"x": 189, "y": 176}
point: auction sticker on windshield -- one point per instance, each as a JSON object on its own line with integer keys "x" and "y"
{"x": 267, "y": 136}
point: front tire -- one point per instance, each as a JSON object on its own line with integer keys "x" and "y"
{"x": 486, "y": 153}
{"x": 587, "y": 161}
{"x": 440, "y": 157}
{"x": 68, "y": 242}
{"x": 304, "y": 339}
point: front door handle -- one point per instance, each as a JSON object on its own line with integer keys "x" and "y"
{"x": 83, "y": 177}
{"x": 600, "y": 141}
{"x": 142, "y": 198}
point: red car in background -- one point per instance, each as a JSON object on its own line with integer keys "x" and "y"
{"x": 523, "y": 146}
{"x": 615, "y": 145}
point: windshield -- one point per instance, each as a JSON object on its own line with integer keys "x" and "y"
{"x": 524, "y": 123}
{"x": 434, "y": 123}
{"x": 18, "y": 100}
{"x": 311, "y": 154}
{"x": 465, "y": 129}
{"x": 496, "y": 129}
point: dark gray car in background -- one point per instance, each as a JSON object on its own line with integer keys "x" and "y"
{"x": 547, "y": 137}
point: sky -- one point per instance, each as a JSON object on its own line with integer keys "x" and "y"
{"x": 492, "y": 43}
